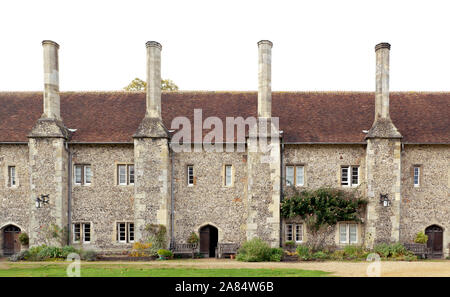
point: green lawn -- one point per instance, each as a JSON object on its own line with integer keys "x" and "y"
{"x": 24, "y": 270}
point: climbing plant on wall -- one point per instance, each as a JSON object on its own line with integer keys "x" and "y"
{"x": 324, "y": 207}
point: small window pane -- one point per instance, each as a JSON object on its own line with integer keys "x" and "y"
{"x": 228, "y": 170}
{"x": 344, "y": 176}
{"x": 122, "y": 175}
{"x": 289, "y": 236}
{"x": 12, "y": 175}
{"x": 289, "y": 175}
{"x": 300, "y": 175}
{"x": 131, "y": 174}
{"x": 78, "y": 174}
{"x": 299, "y": 232}
{"x": 131, "y": 232}
{"x": 353, "y": 233}
{"x": 355, "y": 175}
{"x": 190, "y": 175}
{"x": 87, "y": 174}
{"x": 122, "y": 232}
{"x": 87, "y": 232}
{"x": 416, "y": 176}
{"x": 343, "y": 233}
{"x": 76, "y": 232}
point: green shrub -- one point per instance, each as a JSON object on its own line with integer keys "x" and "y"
{"x": 193, "y": 238}
{"x": 165, "y": 253}
{"x": 421, "y": 237}
{"x": 289, "y": 243}
{"x": 338, "y": 255}
{"x": 156, "y": 236}
{"x": 255, "y": 250}
{"x": 44, "y": 252}
{"x": 396, "y": 250}
{"x": 320, "y": 255}
{"x": 49, "y": 252}
{"x": 68, "y": 249}
{"x": 24, "y": 239}
{"x": 304, "y": 252}
{"x": 355, "y": 252}
{"x": 277, "y": 255}
{"x": 88, "y": 255}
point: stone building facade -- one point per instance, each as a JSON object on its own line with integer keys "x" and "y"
{"x": 109, "y": 164}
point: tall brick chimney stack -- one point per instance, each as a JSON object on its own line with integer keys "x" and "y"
{"x": 382, "y": 126}
{"x": 265, "y": 79}
{"x": 153, "y": 79}
{"x": 51, "y": 80}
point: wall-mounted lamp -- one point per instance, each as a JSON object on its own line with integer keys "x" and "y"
{"x": 41, "y": 200}
{"x": 384, "y": 199}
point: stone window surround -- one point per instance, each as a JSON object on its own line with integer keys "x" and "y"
{"x": 420, "y": 168}
{"x": 294, "y": 232}
{"x": 358, "y": 233}
{"x": 82, "y": 239}
{"x": 116, "y": 174}
{"x": 224, "y": 175}
{"x": 83, "y": 174}
{"x": 295, "y": 165}
{"x": 350, "y": 176}
{"x": 8, "y": 177}
{"x": 188, "y": 175}
{"x": 127, "y": 231}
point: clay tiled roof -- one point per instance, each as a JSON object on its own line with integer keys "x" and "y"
{"x": 316, "y": 117}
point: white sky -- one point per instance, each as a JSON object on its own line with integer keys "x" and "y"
{"x": 211, "y": 45}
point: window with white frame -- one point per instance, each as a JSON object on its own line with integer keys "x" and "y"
{"x": 12, "y": 182}
{"x": 82, "y": 174}
{"x": 295, "y": 175}
{"x": 82, "y": 232}
{"x": 416, "y": 176}
{"x": 228, "y": 175}
{"x": 190, "y": 175}
{"x": 125, "y": 232}
{"x": 125, "y": 174}
{"x": 349, "y": 176}
{"x": 131, "y": 174}
{"x": 348, "y": 233}
{"x": 299, "y": 232}
{"x": 294, "y": 232}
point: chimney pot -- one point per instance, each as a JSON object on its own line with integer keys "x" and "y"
{"x": 153, "y": 44}
{"x": 382, "y": 45}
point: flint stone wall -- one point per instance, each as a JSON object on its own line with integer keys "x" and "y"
{"x": 322, "y": 168}
{"x": 209, "y": 201}
{"x": 428, "y": 204}
{"x": 104, "y": 202}
{"x": 14, "y": 201}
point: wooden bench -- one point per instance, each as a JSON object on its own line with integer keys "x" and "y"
{"x": 418, "y": 249}
{"x": 226, "y": 249}
{"x": 185, "y": 248}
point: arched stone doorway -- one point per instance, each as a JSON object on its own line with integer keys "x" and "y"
{"x": 10, "y": 242}
{"x": 209, "y": 235}
{"x": 435, "y": 240}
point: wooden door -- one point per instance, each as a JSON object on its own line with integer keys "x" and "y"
{"x": 11, "y": 244}
{"x": 435, "y": 241}
{"x": 204, "y": 240}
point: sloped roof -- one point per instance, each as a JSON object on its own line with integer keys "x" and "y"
{"x": 305, "y": 117}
